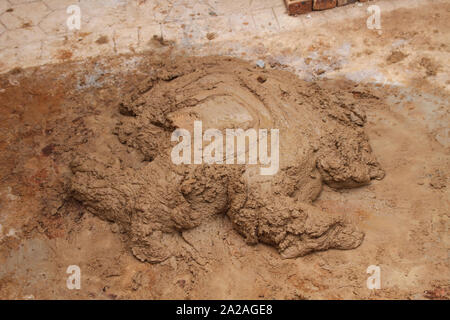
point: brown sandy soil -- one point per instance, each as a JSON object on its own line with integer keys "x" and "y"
{"x": 404, "y": 216}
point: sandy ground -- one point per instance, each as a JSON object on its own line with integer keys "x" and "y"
{"x": 404, "y": 216}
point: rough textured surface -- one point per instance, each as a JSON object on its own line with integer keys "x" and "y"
{"x": 321, "y": 140}
{"x": 48, "y": 112}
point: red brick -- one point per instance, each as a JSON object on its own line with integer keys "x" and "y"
{"x": 345, "y": 2}
{"x": 324, "y": 4}
{"x": 298, "y": 6}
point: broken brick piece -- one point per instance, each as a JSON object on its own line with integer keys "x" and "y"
{"x": 298, "y": 6}
{"x": 345, "y": 2}
{"x": 324, "y": 4}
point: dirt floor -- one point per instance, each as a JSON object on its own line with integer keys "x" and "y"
{"x": 399, "y": 77}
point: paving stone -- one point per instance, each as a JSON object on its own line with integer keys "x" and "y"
{"x": 24, "y": 56}
{"x": 315, "y": 20}
{"x": 189, "y": 11}
{"x": 161, "y": 10}
{"x": 265, "y": 21}
{"x": 19, "y": 37}
{"x": 94, "y": 44}
{"x": 59, "y": 4}
{"x": 241, "y": 22}
{"x": 138, "y": 14}
{"x": 8, "y": 59}
{"x": 227, "y": 7}
{"x": 25, "y": 15}
{"x": 386, "y": 5}
{"x": 98, "y": 24}
{"x": 196, "y": 32}
{"x": 55, "y": 22}
{"x": 4, "y": 6}
{"x": 60, "y": 49}
{"x": 101, "y": 15}
{"x": 126, "y": 40}
{"x": 219, "y": 27}
{"x": 287, "y": 22}
{"x": 404, "y": 4}
{"x": 172, "y": 31}
{"x": 52, "y": 48}
{"x": 354, "y": 12}
{"x": 112, "y": 11}
{"x": 29, "y": 54}
{"x": 264, "y": 4}
{"x": 77, "y": 46}
{"x": 10, "y": 21}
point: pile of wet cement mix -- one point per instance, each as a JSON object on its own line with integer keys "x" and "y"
{"x": 322, "y": 140}
{"x": 113, "y": 142}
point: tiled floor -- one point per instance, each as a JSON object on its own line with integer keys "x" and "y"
{"x": 35, "y": 32}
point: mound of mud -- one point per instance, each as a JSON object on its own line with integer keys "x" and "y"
{"x": 321, "y": 136}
